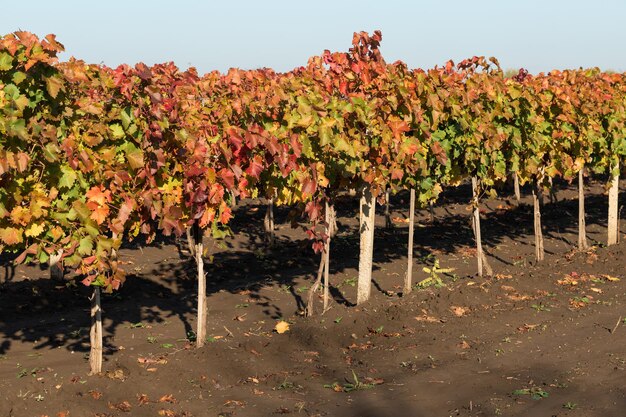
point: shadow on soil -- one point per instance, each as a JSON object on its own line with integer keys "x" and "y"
{"x": 62, "y": 308}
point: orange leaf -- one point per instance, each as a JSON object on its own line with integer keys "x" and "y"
{"x": 169, "y": 398}
{"x": 281, "y": 327}
{"x": 99, "y": 215}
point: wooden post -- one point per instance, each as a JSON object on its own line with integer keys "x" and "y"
{"x": 553, "y": 198}
{"x": 328, "y": 218}
{"x": 57, "y": 271}
{"x": 191, "y": 245}
{"x": 582, "y": 233}
{"x": 310, "y": 302}
{"x": 269, "y": 222}
{"x": 408, "y": 280}
{"x": 95, "y": 333}
{"x": 202, "y": 307}
{"x": 476, "y": 226}
{"x": 333, "y": 221}
{"x": 613, "y": 232}
{"x": 518, "y": 194}
{"x": 388, "y": 223}
{"x": 366, "y": 248}
{"x": 431, "y": 209}
{"x": 537, "y": 198}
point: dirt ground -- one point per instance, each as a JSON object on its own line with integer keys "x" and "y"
{"x": 544, "y": 339}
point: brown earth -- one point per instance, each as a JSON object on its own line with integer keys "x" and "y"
{"x": 534, "y": 340}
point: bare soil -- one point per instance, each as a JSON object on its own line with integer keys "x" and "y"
{"x": 544, "y": 339}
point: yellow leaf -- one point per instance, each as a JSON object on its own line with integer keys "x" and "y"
{"x": 281, "y": 327}
{"x": 11, "y": 236}
{"x": 610, "y": 278}
{"x": 34, "y": 230}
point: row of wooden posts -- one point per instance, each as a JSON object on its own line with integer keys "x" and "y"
{"x": 367, "y": 212}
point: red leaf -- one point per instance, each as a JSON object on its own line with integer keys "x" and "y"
{"x": 256, "y": 167}
{"x": 313, "y": 209}
{"x": 308, "y": 187}
{"x": 226, "y": 214}
{"x": 227, "y": 177}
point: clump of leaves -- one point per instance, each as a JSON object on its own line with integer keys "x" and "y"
{"x": 435, "y": 276}
{"x": 354, "y": 385}
{"x": 535, "y": 393}
{"x": 540, "y": 307}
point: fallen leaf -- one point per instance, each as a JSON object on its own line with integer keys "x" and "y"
{"x": 459, "y": 311}
{"x": 257, "y": 392}
{"x": 169, "y": 398}
{"x": 281, "y": 327}
{"x": 96, "y": 395}
{"x": 116, "y": 374}
{"x": 375, "y": 381}
{"x": 167, "y": 413}
{"x": 400, "y": 220}
{"x": 609, "y": 278}
{"x": 143, "y": 399}
{"x": 234, "y": 403}
{"x": 65, "y": 413}
{"x": 598, "y": 290}
{"x": 124, "y": 406}
{"x": 518, "y": 297}
{"x": 526, "y": 327}
{"x": 464, "y": 345}
{"x": 151, "y": 361}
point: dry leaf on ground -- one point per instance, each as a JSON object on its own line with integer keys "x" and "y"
{"x": 281, "y": 327}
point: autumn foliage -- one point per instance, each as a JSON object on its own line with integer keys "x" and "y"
{"x": 91, "y": 156}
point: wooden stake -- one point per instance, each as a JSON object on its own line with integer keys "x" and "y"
{"x": 269, "y": 223}
{"x": 327, "y": 256}
{"x": 95, "y": 333}
{"x": 408, "y": 280}
{"x": 388, "y": 223}
{"x": 191, "y": 245}
{"x": 613, "y": 235}
{"x": 202, "y": 307}
{"x": 518, "y": 194}
{"x": 553, "y": 198}
{"x": 310, "y": 302}
{"x": 537, "y": 198}
{"x": 333, "y": 221}
{"x": 582, "y": 232}
{"x": 480, "y": 255}
{"x": 57, "y": 271}
{"x": 366, "y": 251}
{"x": 431, "y": 209}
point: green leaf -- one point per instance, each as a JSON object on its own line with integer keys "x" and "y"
{"x": 11, "y": 91}
{"x": 68, "y": 178}
{"x": 126, "y": 117}
{"x": 85, "y": 246}
{"x": 6, "y": 61}
{"x": 134, "y": 155}
{"x": 18, "y": 77}
{"x": 117, "y": 131}
{"x": 51, "y": 152}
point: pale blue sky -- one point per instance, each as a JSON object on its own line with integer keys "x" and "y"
{"x": 282, "y": 34}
